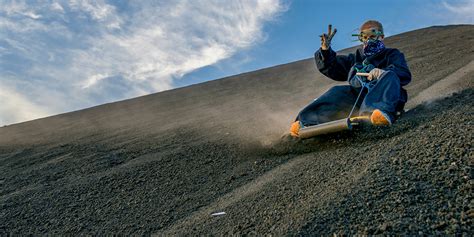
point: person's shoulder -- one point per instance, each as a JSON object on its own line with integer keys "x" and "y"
{"x": 392, "y": 51}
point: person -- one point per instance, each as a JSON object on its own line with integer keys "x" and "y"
{"x": 382, "y": 93}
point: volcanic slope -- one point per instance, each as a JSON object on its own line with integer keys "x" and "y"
{"x": 163, "y": 163}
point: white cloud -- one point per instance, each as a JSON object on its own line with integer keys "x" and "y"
{"x": 20, "y": 8}
{"x": 16, "y": 107}
{"x": 98, "y": 10}
{"x": 93, "y": 80}
{"x": 55, "y": 6}
{"x": 84, "y": 53}
{"x": 461, "y": 12}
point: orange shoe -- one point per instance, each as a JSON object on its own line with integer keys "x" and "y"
{"x": 295, "y": 129}
{"x": 379, "y": 118}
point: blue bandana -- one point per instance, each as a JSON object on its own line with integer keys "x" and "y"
{"x": 373, "y": 47}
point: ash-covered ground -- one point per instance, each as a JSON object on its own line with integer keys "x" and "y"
{"x": 162, "y": 164}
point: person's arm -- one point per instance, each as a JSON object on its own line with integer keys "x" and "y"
{"x": 398, "y": 65}
{"x": 334, "y": 66}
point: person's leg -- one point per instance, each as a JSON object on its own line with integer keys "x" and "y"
{"x": 335, "y": 104}
{"x": 383, "y": 96}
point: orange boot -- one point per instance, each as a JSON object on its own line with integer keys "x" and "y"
{"x": 295, "y": 129}
{"x": 379, "y": 118}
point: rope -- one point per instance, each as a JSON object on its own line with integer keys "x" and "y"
{"x": 357, "y": 100}
{"x": 367, "y": 85}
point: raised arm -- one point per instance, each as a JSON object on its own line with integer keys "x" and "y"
{"x": 334, "y": 66}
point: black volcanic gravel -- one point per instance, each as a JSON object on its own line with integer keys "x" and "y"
{"x": 422, "y": 181}
{"x": 161, "y": 164}
{"x": 412, "y": 178}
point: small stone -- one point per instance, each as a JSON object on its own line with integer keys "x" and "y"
{"x": 470, "y": 214}
{"x": 439, "y": 226}
{"x": 385, "y": 226}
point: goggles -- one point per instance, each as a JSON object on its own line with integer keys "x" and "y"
{"x": 368, "y": 34}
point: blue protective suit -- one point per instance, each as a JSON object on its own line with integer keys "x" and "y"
{"x": 386, "y": 93}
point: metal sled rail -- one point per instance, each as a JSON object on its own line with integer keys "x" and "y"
{"x": 332, "y": 127}
{"x": 325, "y": 128}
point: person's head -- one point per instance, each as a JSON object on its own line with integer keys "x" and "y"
{"x": 371, "y": 30}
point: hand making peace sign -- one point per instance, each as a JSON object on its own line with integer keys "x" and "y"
{"x": 326, "y": 38}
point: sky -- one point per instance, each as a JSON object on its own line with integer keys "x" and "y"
{"x": 61, "y": 56}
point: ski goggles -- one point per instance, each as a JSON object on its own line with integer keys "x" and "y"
{"x": 369, "y": 34}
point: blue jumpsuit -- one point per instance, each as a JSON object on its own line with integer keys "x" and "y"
{"x": 385, "y": 94}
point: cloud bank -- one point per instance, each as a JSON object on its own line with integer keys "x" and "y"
{"x": 460, "y": 12}
{"x": 58, "y": 56}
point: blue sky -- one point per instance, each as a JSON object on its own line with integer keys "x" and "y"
{"x": 60, "y": 56}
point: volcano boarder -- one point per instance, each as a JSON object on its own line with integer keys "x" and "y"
{"x": 375, "y": 75}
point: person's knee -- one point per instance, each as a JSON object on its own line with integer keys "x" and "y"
{"x": 335, "y": 91}
{"x": 340, "y": 88}
{"x": 387, "y": 75}
{"x": 389, "y": 79}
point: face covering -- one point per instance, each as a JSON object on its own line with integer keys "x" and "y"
{"x": 373, "y": 47}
